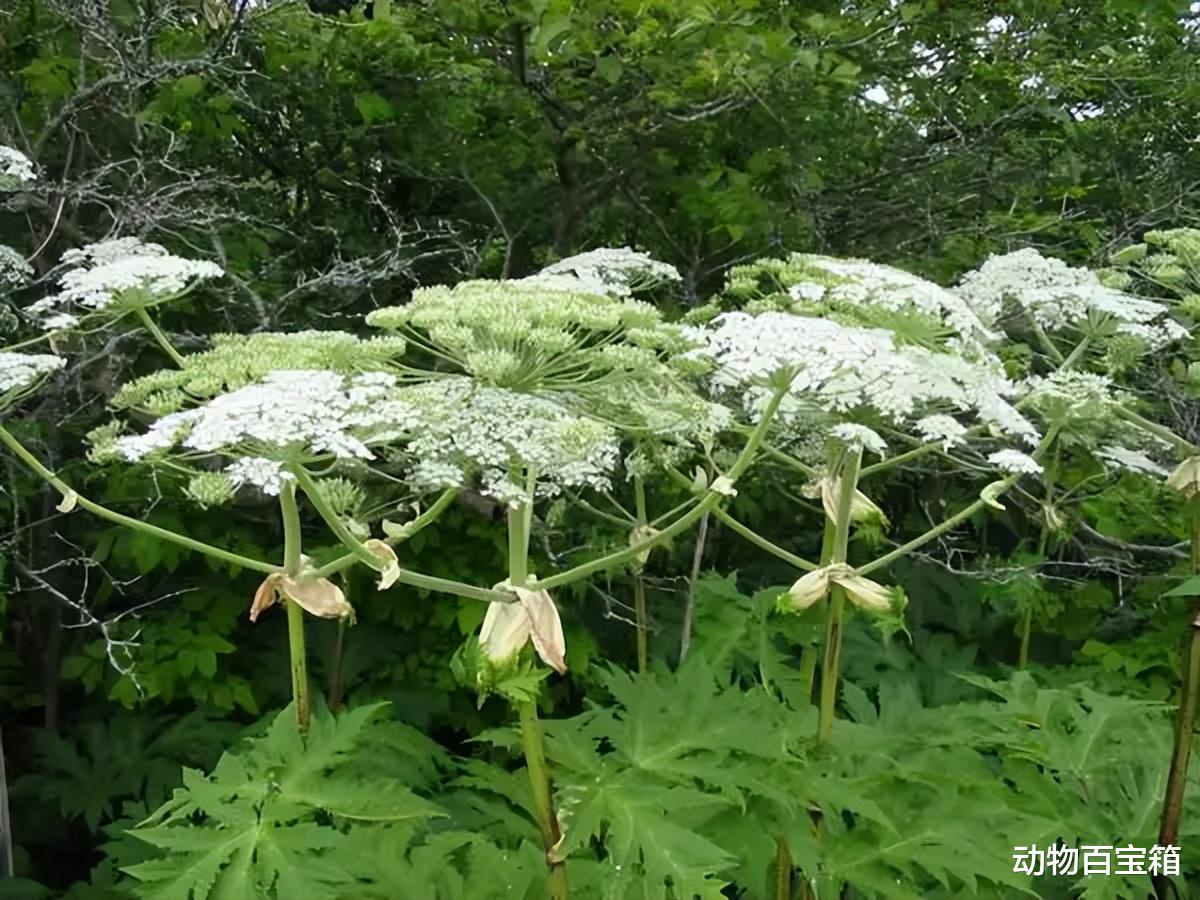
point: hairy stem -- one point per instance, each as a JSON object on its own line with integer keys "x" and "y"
{"x": 832, "y": 664}
{"x": 292, "y": 558}
{"x": 103, "y": 512}
{"x": 158, "y": 335}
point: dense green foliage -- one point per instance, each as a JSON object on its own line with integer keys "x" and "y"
{"x": 333, "y": 157}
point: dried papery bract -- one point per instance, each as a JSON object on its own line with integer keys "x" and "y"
{"x": 390, "y": 572}
{"x": 861, "y": 591}
{"x": 508, "y": 627}
{"x": 317, "y": 596}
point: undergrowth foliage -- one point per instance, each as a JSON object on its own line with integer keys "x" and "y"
{"x": 810, "y": 729}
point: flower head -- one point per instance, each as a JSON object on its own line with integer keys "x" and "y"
{"x": 15, "y": 168}
{"x": 20, "y": 370}
{"x": 123, "y": 272}
{"x": 609, "y": 271}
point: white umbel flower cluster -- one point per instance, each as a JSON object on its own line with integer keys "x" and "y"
{"x": 1135, "y": 461}
{"x": 941, "y": 427}
{"x": 1059, "y": 296}
{"x": 288, "y": 415}
{"x": 267, "y": 475}
{"x": 20, "y": 370}
{"x": 1015, "y": 462}
{"x": 609, "y": 271}
{"x": 14, "y": 271}
{"x": 840, "y": 369}
{"x": 468, "y": 431}
{"x": 856, "y": 435}
{"x": 859, "y": 282}
{"x": 123, "y": 270}
{"x": 15, "y": 168}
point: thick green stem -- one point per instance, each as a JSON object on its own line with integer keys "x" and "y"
{"x": 783, "y": 870}
{"x": 103, "y": 512}
{"x": 832, "y": 664}
{"x": 519, "y": 524}
{"x": 292, "y": 561}
{"x": 707, "y": 503}
{"x": 639, "y": 579}
{"x": 1026, "y": 632}
{"x": 158, "y": 335}
{"x": 1185, "y": 720}
{"x": 543, "y": 799}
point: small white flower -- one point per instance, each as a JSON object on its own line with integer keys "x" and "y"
{"x": 19, "y": 370}
{"x": 609, "y": 271}
{"x": 942, "y": 428}
{"x": 807, "y": 291}
{"x": 14, "y": 271}
{"x": 59, "y": 322}
{"x": 265, "y": 474}
{"x": 860, "y": 436}
{"x": 15, "y": 168}
{"x": 1015, "y": 462}
{"x": 1131, "y": 460}
{"x": 103, "y": 273}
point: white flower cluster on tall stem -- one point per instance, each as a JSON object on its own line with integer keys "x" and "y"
{"x": 840, "y": 369}
{"x": 237, "y": 360}
{"x": 14, "y": 271}
{"x": 288, "y": 415}
{"x": 859, "y": 282}
{"x": 1059, "y": 296}
{"x": 498, "y": 436}
{"x": 15, "y": 168}
{"x": 121, "y": 272}
{"x": 20, "y": 370}
{"x": 1015, "y": 462}
{"x": 609, "y": 271}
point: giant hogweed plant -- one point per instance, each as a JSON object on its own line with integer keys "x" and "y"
{"x": 558, "y": 386}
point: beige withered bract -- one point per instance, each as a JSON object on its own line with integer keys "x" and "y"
{"x": 390, "y": 573}
{"x": 865, "y": 593}
{"x": 69, "y": 499}
{"x": 505, "y": 630}
{"x": 266, "y": 596}
{"x": 810, "y": 588}
{"x": 1186, "y": 477}
{"x": 507, "y": 627}
{"x": 862, "y": 507}
{"x": 861, "y": 591}
{"x": 545, "y": 627}
{"x": 640, "y": 535}
{"x": 318, "y": 596}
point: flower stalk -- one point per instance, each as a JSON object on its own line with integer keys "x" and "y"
{"x": 639, "y": 579}
{"x": 520, "y": 520}
{"x": 157, "y": 333}
{"x": 292, "y": 562}
{"x": 838, "y": 548}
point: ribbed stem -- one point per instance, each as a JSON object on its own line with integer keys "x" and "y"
{"x": 520, "y": 520}
{"x": 160, "y": 337}
{"x": 290, "y": 514}
{"x": 832, "y": 664}
{"x": 103, "y": 512}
